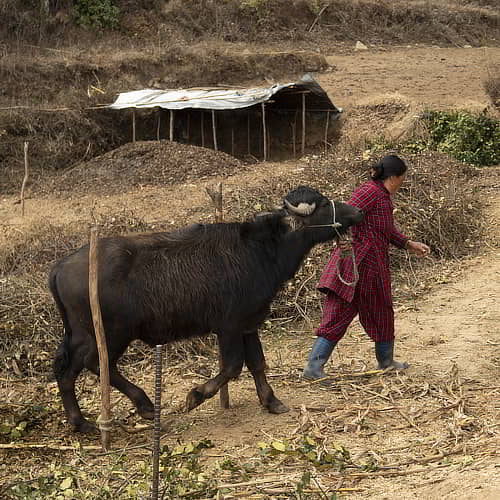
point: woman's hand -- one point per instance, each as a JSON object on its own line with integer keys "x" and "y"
{"x": 418, "y": 248}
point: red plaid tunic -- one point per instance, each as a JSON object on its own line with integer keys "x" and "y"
{"x": 372, "y": 296}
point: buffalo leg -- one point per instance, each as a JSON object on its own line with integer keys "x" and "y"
{"x": 232, "y": 356}
{"x": 68, "y": 365}
{"x": 144, "y": 406}
{"x": 141, "y": 401}
{"x": 256, "y": 363}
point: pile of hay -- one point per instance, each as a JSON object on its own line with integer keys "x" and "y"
{"x": 437, "y": 205}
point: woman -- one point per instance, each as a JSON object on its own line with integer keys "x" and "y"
{"x": 371, "y": 296}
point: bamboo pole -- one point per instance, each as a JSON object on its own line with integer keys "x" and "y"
{"x": 216, "y": 197}
{"x": 158, "y": 125}
{"x": 303, "y": 123}
{"x": 171, "y": 133}
{"x": 25, "y": 179}
{"x": 264, "y": 131}
{"x": 133, "y": 125}
{"x": 214, "y": 131}
{"x": 104, "y": 419}
{"x": 326, "y": 128}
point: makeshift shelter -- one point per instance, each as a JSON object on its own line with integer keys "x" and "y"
{"x": 262, "y": 122}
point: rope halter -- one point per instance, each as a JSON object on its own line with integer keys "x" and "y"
{"x": 335, "y": 226}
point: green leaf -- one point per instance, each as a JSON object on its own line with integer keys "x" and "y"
{"x": 277, "y": 445}
{"x": 189, "y": 448}
{"x": 66, "y": 483}
{"x": 178, "y": 450}
{"x": 311, "y": 441}
{"x": 261, "y": 444}
{"x": 5, "y": 429}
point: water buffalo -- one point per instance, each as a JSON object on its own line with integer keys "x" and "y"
{"x": 163, "y": 287}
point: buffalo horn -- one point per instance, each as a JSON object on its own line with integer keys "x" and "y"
{"x": 302, "y": 208}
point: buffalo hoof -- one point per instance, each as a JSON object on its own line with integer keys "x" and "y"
{"x": 146, "y": 411}
{"x": 85, "y": 427}
{"x": 277, "y": 407}
{"x": 194, "y": 399}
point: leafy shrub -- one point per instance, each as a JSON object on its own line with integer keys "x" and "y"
{"x": 468, "y": 137}
{"x": 98, "y": 14}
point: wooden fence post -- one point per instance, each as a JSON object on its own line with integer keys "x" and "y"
{"x": 216, "y": 196}
{"x": 25, "y": 179}
{"x": 104, "y": 421}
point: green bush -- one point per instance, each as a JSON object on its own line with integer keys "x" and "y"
{"x": 468, "y": 137}
{"x": 97, "y": 14}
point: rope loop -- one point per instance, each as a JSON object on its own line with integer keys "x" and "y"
{"x": 344, "y": 255}
{"x": 104, "y": 425}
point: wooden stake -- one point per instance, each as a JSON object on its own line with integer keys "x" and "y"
{"x": 133, "y": 125}
{"x": 202, "y": 130}
{"x": 264, "y": 131}
{"x": 104, "y": 419}
{"x": 188, "y": 125}
{"x": 214, "y": 130}
{"x": 326, "y": 128}
{"x": 216, "y": 197}
{"x": 25, "y": 179}
{"x": 158, "y": 126}
{"x": 232, "y": 140}
{"x": 171, "y": 134}
{"x": 303, "y": 123}
{"x": 294, "y": 132}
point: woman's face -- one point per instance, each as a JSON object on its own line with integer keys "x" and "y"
{"x": 393, "y": 183}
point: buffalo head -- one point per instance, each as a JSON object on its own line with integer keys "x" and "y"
{"x": 310, "y": 208}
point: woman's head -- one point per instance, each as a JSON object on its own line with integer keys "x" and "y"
{"x": 391, "y": 170}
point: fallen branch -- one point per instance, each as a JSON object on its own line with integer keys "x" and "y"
{"x": 320, "y": 13}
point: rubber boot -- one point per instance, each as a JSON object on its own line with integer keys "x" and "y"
{"x": 384, "y": 352}
{"x": 320, "y": 352}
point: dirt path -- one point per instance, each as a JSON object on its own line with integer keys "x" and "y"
{"x": 439, "y": 77}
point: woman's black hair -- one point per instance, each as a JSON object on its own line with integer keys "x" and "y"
{"x": 388, "y": 166}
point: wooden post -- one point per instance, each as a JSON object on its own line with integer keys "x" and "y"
{"x": 158, "y": 126}
{"x": 264, "y": 131}
{"x": 188, "y": 125}
{"x": 202, "y": 130}
{"x": 133, "y": 125}
{"x": 171, "y": 134}
{"x": 326, "y": 128}
{"x": 294, "y": 132}
{"x": 303, "y": 123}
{"x": 232, "y": 139}
{"x": 214, "y": 130}
{"x": 104, "y": 419}
{"x": 216, "y": 197}
{"x": 25, "y": 179}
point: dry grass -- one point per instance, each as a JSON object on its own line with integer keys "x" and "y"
{"x": 492, "y": 85}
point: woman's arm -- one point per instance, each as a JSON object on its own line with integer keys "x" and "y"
{"x": 398, "y": 239}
